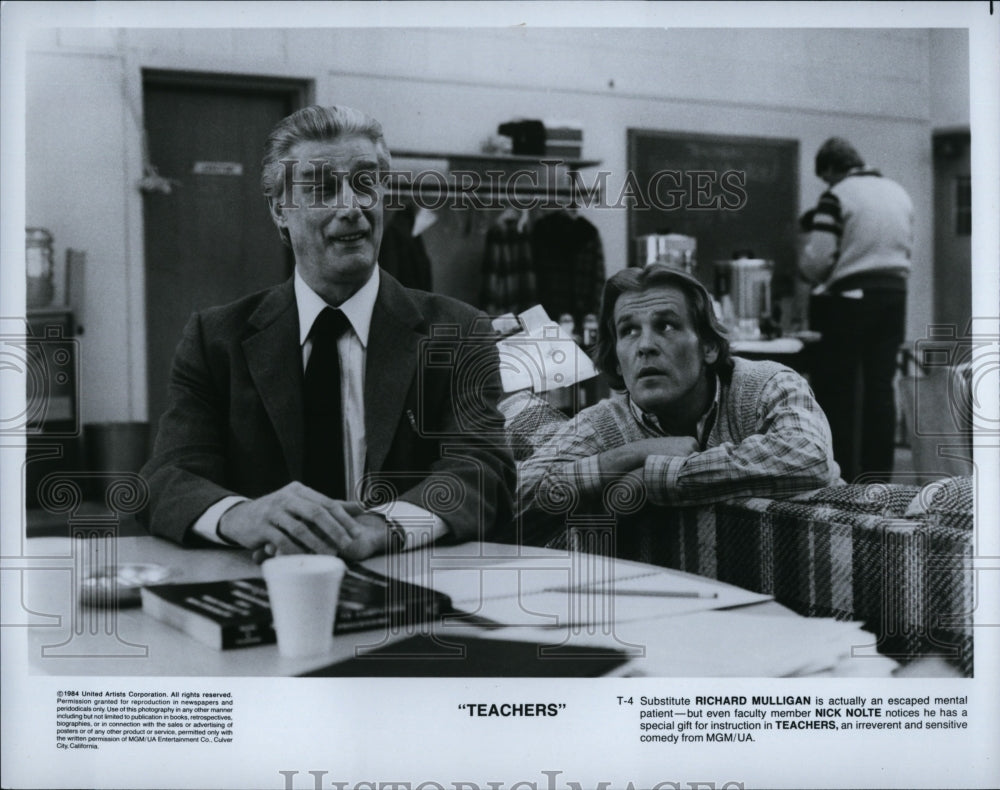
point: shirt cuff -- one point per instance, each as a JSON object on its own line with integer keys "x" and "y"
{"x": 418, "y": 526}
{"x": 207, "y": 525}
{"x": 587, "y": 472}
{"x": 659, "y": 475}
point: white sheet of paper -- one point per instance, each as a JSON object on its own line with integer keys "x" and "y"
{"x": 580, "y": 590}
{"x": 544, "y": 359}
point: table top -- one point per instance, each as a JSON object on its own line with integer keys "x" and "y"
{"x": 70, "y": 639}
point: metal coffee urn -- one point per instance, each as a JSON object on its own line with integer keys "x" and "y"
{"x": 747, "y": 281}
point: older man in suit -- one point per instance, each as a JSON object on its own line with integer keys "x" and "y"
{"x": 339, "y": 410}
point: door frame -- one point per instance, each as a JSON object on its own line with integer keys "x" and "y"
{"x": 949, "y": 145}
{"x": 300, "y": 92}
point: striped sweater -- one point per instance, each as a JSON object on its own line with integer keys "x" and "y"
{"x": 869, "y": 219}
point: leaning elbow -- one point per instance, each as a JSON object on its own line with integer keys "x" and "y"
{"x": 822, "y": 470}
{"x": 810, "y": 465}
{"x": 547, "y": 491}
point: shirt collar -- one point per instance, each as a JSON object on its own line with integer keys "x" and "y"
{"x": 358, "y": 308}
{"x": 864, "y": 171}
{"x": 705, "y": 422}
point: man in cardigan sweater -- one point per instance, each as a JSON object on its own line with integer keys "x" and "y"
{"x": 688, "y": 424}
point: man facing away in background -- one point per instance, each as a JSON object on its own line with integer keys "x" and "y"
{"x": 858, "y": 250}
{"x": 339, "y": 410}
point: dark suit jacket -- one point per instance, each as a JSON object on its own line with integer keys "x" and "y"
{"x": 234, "y": 424}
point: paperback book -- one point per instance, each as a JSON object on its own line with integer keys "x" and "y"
{"x": 236, "y": 612}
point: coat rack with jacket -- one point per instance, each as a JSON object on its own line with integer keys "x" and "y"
{"x": 537, "y": 249}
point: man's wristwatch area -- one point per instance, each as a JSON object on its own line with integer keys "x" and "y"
{"x": 397, "y": 535}
{"x": 218, "y": 531}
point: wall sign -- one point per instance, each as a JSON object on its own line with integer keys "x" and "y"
{"x": 218, "y": 168}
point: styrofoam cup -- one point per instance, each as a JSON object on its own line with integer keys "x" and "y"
{"x": 303, "y": 590}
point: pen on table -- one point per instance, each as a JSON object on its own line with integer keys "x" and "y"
{"x": 642, "y": 593}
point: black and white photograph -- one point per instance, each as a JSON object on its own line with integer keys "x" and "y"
{"x": 500, "y": 395}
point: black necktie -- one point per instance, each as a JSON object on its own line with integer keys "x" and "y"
{"x": 324, "y": 438}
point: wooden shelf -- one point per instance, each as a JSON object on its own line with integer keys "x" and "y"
{"x": 512, "y": 159}
{"x": 532, "y": 182}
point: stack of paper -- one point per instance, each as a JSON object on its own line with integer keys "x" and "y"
{"x": 669, "y": 622}
{"x": 726, "y": 644}
{"x": 715, "y": 644}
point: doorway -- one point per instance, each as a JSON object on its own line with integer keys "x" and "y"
{"x": 953, "y": 229}
{"x": 209, "y": 238}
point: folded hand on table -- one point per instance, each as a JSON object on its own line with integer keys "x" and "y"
{"x": 296, "y": 519}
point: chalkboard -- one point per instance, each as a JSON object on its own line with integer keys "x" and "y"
{"x": 733, "y": 194}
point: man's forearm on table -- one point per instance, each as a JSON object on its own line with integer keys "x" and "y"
{"x": 760, "y": 469}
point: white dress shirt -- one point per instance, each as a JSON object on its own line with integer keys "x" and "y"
{"x": 418, "y": 524}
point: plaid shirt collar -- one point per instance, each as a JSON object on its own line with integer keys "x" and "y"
{"x": 705, "y": 423}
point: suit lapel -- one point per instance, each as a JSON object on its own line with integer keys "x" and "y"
{"x": 393, "y": 345}
{"x": 275, "y": 364}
